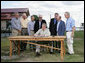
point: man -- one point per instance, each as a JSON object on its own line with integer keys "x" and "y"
{"x": 31, "y": 29}
{"x": 43, "y": 32}
{"x": 70, "y": 28}
{"x": 16, "y": 28}
{"x": 38, "y": 23}
{"x": 60, "y": 29}
{"x": 53, "y": 27}
{"x": 24, "y": 22}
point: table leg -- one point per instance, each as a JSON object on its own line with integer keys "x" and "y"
{"x": 63, "y": 48}
{"x": 61, "y": 51}
{"x": 19, "y": 48}
{"x": 10, "y": 48}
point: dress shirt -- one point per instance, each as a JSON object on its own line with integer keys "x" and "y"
{"x": 45, "y": 32}
{"x": 30, "y": 26}
{"x": 54, "y": 21}
{"x": 15, "y": 23}
{"x": 24, "y": 22}
{"x": 58, "y": 25}
{"x": 69, "y": 24}
{"x": 39, "y": 24}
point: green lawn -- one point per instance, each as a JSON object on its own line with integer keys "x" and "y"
{"x": 46, "y": 57}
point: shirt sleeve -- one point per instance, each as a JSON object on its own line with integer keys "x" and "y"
{"x": 28, "y": 28}
{"x": 73, "y": 22}
{"x": 38, "y": 32}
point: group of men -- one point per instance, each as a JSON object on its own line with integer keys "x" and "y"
{"x": 57, "y": 27}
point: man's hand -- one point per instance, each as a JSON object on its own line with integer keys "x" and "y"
{"x": 35, "y": 35}
{"x": 19, "y": 31}
{"x": 72, "y": 34}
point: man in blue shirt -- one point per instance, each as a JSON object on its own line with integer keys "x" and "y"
{"x": 16, "y": 28}
{"x": 70, "y": 28}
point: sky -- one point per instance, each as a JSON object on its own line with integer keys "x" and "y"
{"x": 48, "y": 8}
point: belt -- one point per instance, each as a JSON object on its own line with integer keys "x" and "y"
{"x": 68, "y": 31}
{"x": 32, "y": 30}
{"x": 24, "y": 28}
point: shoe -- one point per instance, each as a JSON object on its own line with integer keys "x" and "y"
{"x": 21, "y": 50}
{"x": 69, "y": 53}
{"x": 51, "y": 52}
{"x": 38, "y": 54}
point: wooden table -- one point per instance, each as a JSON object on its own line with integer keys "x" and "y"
{"x": 32, "y": 38}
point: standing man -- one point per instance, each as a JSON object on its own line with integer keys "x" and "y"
{"x": 70, "y": 28}
{"x": 24, "y": 22}
{"x": 38, "y": 23}
{"x": 16, "y": 27}
{"x": 53, "y": 27}
{"x": 60, "y": 29}
{"x": 31, "y": 29}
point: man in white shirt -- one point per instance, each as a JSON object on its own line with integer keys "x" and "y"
{"x": 43, "y": 32}
{"x": 24, "y": 22}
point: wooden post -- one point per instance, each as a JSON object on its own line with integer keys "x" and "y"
{"x": 18, "y": 47}
{"x": 10, "y": 48}
{"x": 61, "y": 50}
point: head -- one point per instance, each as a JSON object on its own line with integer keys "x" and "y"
{"x": 16, "y": 15}
{"x": 44, "y": 26}
{"x": 40, "y": 17}
{"x": 67, "y": 14}
{"x": 24, "y": 16}
{"x": 58, "y": 18}
{"x": 32, "y": 18}
{"x": 56, "y": 14}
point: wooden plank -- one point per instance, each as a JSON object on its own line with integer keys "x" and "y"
{"x": 42, "y": 45}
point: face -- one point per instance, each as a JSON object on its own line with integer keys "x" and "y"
{"x": 66, "y": 16}
{"x": 24, "y": 17}
{"x": 16, "y": 15}
{"x": 43, "y": 27}
{"x": 32, "y": 18}
{"x": 56, "y": 16}
{"x": 40, "y": 18}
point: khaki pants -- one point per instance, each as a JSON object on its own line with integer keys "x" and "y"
{"x": 15, "y": 33}
{"x": 70, "y": 43}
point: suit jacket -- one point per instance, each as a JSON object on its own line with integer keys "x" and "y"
{"x": 61, "y": 28}
{"x": 36, "y": 26}
{"x": 53, "y": 27}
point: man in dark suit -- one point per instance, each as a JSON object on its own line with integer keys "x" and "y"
{"x": 38, "y": 24}
{"x": 53, "y": 27}
{"x": 60, "y": 29}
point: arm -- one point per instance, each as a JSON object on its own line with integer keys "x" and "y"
{"x": 73, "y": 27}
{"x": 63, "y": 28}
{"x": 37, "y": 33}
{"x": 28, "y": 28}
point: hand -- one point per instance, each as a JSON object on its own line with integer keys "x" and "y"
{"x": 19, "y": 31}
{"x": 35, "y": 35}
{"x": 72, "y": 34}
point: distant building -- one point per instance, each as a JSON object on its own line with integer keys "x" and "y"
{"x": 8, "y": 13}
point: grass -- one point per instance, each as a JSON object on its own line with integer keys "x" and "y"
{"x": 46, "y": 57}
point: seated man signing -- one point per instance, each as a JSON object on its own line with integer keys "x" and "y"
{"x": 43, "y": 32}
